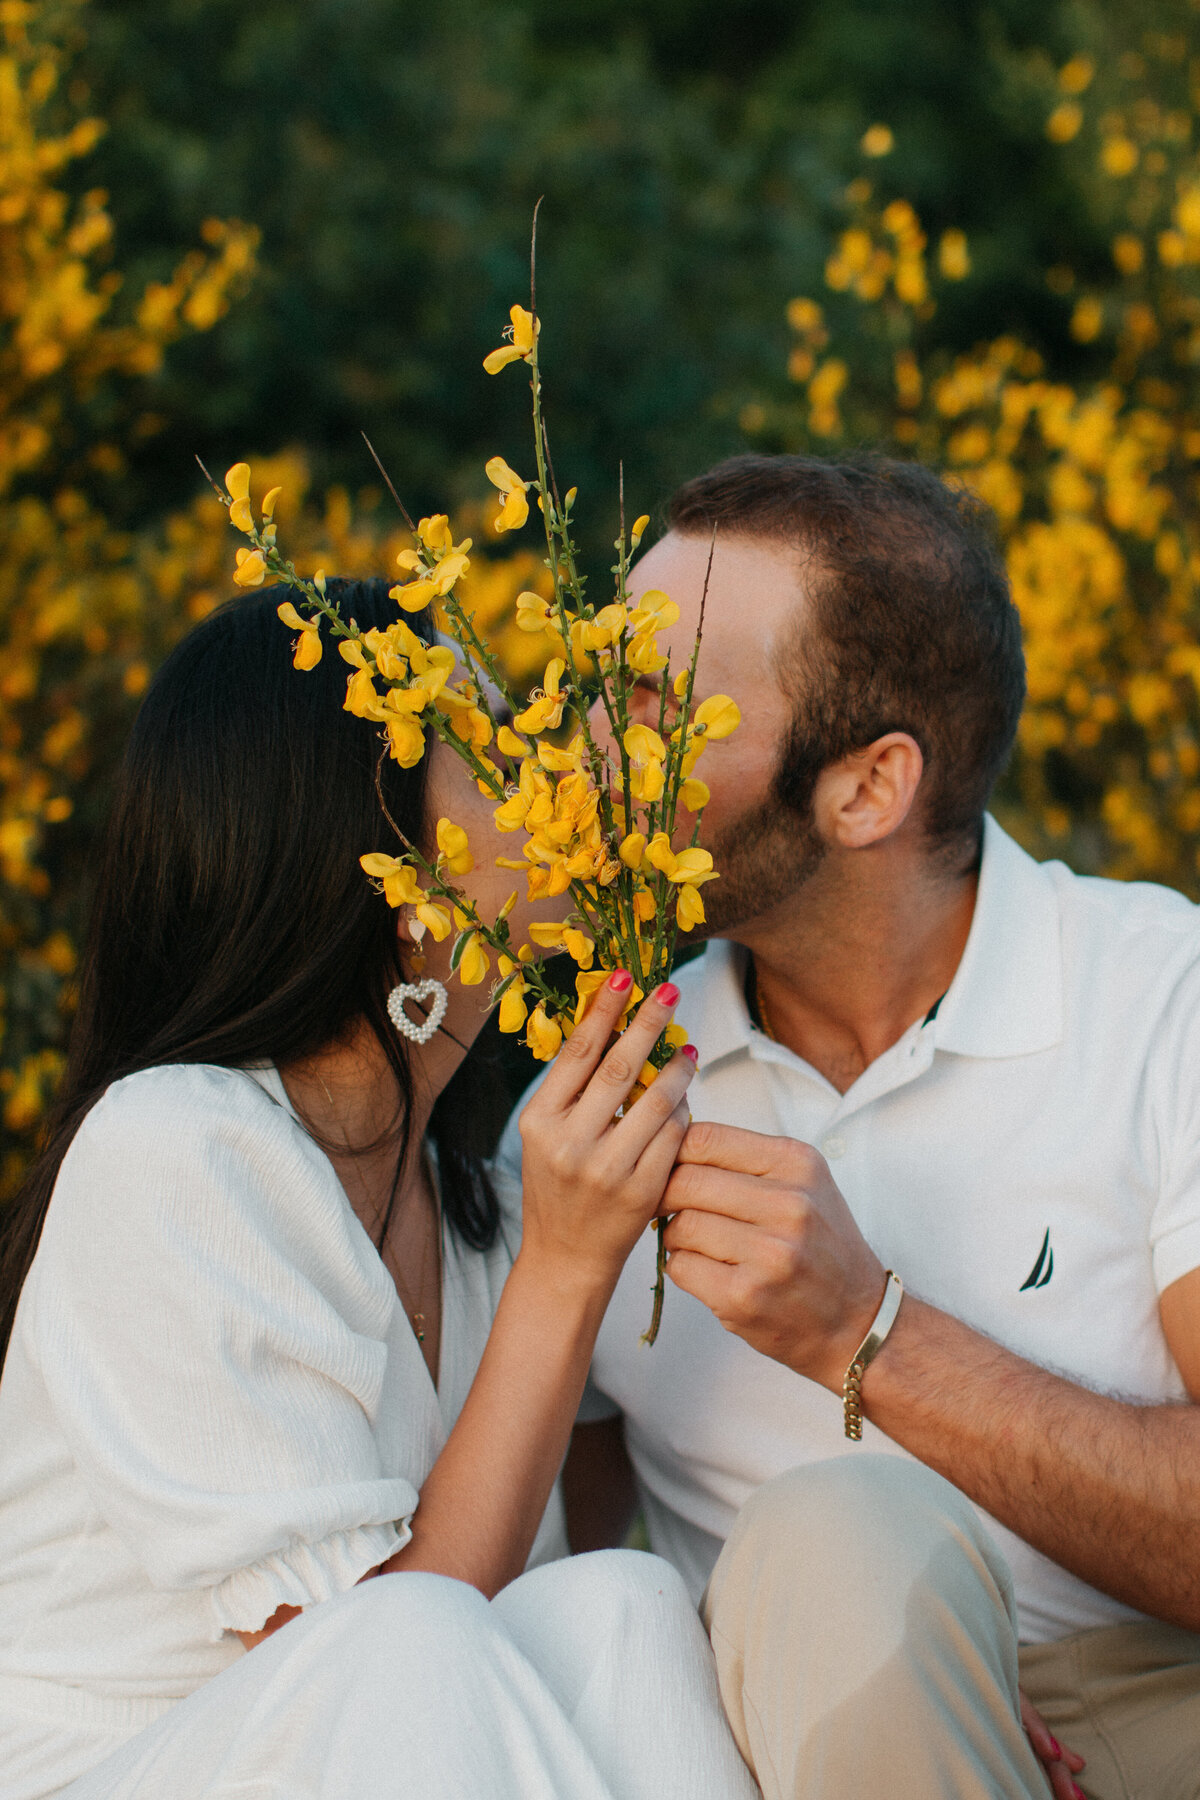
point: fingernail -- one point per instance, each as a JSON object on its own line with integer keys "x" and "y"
{"x": 1056, "y": 1747}
{"x": 620, "y": 981}
{"x": 691, "y": 1052}
{"x": 668, "y": 994}
{"x": 1077, "y": 1792}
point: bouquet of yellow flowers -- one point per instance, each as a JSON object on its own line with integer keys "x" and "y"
{"x": 601, "y": 818}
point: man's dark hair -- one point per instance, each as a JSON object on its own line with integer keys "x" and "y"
{"x": 912, "y": 625}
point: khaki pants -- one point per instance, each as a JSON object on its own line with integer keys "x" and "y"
{"x": 866, "y": 1648}
{"x": 1127, "y": 1698}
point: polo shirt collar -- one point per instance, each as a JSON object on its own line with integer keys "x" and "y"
{"x": 1006, "y": 998}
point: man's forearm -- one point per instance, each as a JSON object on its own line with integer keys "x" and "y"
{"x": 1107, "y": 1489}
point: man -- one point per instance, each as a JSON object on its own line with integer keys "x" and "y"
{"x": 979, "y": 1072}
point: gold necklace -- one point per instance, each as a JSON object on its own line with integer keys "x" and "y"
{"x": 416, "y": 1315}
{"x": 760, "y": 1007}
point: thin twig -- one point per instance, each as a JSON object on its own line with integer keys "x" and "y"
{"x": 215, "y": 486}
{"x": 404, "y": 512}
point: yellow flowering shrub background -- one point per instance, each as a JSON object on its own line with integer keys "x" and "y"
{"x": 1095, "y": 481}
{"x": 1093, "y": 470}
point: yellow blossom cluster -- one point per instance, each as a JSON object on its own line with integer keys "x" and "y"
{"x": 1095, "y": 482}
{"x": 602, "y": 815}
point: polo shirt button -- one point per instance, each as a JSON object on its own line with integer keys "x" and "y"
{"x": 833, "y": 1147}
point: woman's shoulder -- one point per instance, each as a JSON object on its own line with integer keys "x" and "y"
{"x": 158, "y": 1111}
{"x": 189, "y": 1147}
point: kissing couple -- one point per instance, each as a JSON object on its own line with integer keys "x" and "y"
{"x": 318, "y": 1431}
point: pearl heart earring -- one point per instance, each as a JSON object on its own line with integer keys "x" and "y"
{"x": 421, "y": 991}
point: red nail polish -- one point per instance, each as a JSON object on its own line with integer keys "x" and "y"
{"x": 1056, "y": 1747}
{"x": 668, "y": 994}
{"x": 1077, "y": 1792}
{"x": 691, "y": 1052}
{"x": 620, "y": 981}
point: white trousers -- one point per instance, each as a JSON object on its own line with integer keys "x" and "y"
{"x": 587, "y": 1679}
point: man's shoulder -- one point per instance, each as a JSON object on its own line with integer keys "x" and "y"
{"x": 1126, "y": 917}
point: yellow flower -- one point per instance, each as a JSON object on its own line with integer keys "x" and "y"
{"x": 522, "y": 331}
{"x": 509, "y": 744}
{"x": 407, "y": 740}
{"x": 514, "y": 509}
{"x": 954, "y": 258}
{"x": 251, "y": 568}
{"x": 587, "y": 985}
{"x": 513, "y": 1007}
{"x": 642, "y": 744}
{"x": 473, "y": 964}
{"x": 632, "y": 850}
{"x": 237, "y": 481}
{"x": 435, "y": 918}
{"x": 694, "y": 794}
{"x": 544, "y": 712}
{"x": 877, "y": 140}
{"x": 361, "y": 697}
{"x": 654, "y": 612}
{"x": 639, "y": 530}
{"x": 543, "y": 1036}
{"x": 453, "y": 849}
{"x": 399, "y": 878}
{"x": 1118, "y": 156}
{"x": 689, "y": 908}
{"x": 580, "y": 946}
{"x": 533, "y": 612}
{"x": 1064, "y": 122}
{"x": 718, "y": 716}
{"x": 692, "y": 866}
{"x": 307, "y": 648}
{"x": 268, "y": 507}
{"x": 434, "y": 532}
{"x": 414, "y": 596}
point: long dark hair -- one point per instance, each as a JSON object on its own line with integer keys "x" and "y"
{"x": 231, "y": 923}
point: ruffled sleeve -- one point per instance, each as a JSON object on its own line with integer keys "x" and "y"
{"x": 209, "y": 1321}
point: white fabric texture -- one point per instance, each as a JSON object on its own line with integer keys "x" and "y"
{"x": 1049, "y": 1110}
{"x": 588, "y": 1679}
{"x": 212, "y": 1405}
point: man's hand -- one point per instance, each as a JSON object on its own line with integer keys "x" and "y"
{"x": 763, "y": 1238}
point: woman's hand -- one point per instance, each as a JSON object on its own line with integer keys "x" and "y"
{"x": 1061, "y": 1765}
{"x": 593, "y": 1182}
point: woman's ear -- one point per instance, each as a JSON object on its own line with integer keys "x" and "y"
{"x": 867, "y": 797}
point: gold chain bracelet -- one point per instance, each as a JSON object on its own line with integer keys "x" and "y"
{"x": 866, "y": 1353}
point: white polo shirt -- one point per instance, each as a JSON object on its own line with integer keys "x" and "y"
{"x": 1028, "y": 1160}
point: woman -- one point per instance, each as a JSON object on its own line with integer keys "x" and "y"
{"x": 259, "y": 1299}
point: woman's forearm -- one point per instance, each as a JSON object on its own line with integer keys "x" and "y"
{"x": 484, "y": 1497}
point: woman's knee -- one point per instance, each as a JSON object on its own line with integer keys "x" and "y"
{"x": 607, "y": 1587}
{"x": 388, "y": 1617}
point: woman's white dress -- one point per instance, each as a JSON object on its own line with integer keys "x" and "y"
{"x": 213, "y": 1405}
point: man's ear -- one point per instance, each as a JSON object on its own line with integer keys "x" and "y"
{"x": 867, "y": 796}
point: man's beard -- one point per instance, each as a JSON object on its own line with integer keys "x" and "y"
{"x": 762, "y": 860}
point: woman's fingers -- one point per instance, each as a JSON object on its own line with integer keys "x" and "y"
{"x": 651, "y": 1113}
{"x": 615, "y": 1075}
{"x": 577, "y": 1061}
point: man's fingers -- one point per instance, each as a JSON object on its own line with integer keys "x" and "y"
{"x": 710, "y": 1234}
{"x": 750, "y": 1153}
{"x": 580, "y": 1056}
{"x": 759, "y": 1202}
{"x": 658, "y": 1158}
{"x": 712, "y": 1283}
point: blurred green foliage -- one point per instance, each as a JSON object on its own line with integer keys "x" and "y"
{"x": 693, "y": 159}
